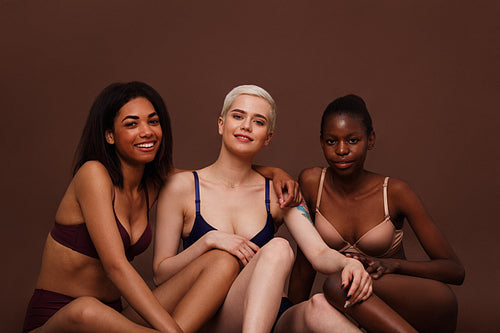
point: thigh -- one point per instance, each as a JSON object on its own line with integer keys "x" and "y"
{"x": 171, "y": 292}
{"x": 87, "y": 314}
{"x": 429, "y": 305}
{"x": 229, "y": 318}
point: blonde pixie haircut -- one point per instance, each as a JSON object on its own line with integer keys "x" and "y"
{"x": 252, "y": 90}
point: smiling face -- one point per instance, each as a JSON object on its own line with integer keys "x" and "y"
{"x": 245, "y": 126}
{"x": 136, "y": 132}
{"x": 345, "y": 143}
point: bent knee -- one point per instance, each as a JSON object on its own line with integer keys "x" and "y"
{"x": 318, "y": 312}
{"x": 83, "y": 310}
{"x": 443, "y": 299}
{"x": 225, "y": 263}
{"x": 333, "y": 290}
{"x": 277, "y": 251}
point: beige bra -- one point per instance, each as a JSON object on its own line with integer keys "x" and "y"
{"x": 383, "y": 240}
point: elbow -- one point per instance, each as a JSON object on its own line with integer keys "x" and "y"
{"x": 116, "y": 268}
{"x": 157, "y": 279}
{"x": 459, "y": 276}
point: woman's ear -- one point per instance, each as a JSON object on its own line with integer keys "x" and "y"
{"x": 220, "y": 124}
{"x": 110, "y": 138}
{"x": 371, "y": 140}
{"x": 268, "y": 138}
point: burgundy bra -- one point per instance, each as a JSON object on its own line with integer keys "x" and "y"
{"x": 77, "y": 237}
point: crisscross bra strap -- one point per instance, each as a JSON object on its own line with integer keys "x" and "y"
{"x": 197, "y": 191}
{"x": 386, "y": 205}
{"x": 320, "y": 188}
{"x": 268, "y": 202}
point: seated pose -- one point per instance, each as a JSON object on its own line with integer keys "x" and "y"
{"x": 102, "y": 223}
{"x": 361, "y": 214}
{"x": 230, "y": 207}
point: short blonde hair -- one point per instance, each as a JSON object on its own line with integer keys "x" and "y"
{"x": 252, "y": 90}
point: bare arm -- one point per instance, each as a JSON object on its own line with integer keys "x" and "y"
{"x": 282, "y": 183}
{"x": 324, "y": 259}
{"x": 94, "y": 192}
{"x": 443, "y": 265}
{"x": 173, "y": 202}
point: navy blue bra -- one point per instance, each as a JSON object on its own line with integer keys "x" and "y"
{"x": 201, "y": 227}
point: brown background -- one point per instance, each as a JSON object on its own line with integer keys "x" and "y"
{"x": 428, "y": 70}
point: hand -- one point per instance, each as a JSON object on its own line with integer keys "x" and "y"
{"x": 376, "y": 267}
{"x": 287, "y": 190}
{"x": 359, "y": 280}
{"x": 238, "y": 246}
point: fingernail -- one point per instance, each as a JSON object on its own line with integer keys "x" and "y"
{"x": 342, "y": 286}
{"x": 349, "y": 296}
{"x": 361, "y": 301}
{"x": 347, "y": 304}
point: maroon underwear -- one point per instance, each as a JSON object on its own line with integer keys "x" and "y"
{"x": 44, "y": 304}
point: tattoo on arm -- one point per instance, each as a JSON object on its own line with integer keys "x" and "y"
{"x": 305, "y": 212}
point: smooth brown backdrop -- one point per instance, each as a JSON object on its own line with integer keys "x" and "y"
{"x": 428, "y": 70}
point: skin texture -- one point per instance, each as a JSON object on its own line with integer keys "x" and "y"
{"x": 232, "y": 201}
{"x": 89, "y": 199}
{"x": 352, "y": 203}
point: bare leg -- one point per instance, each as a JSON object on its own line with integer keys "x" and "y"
{"x": 254, "y": 298}
{"x": 87, "y": 315}
{"x": 315, "y": 315}
{"x": 194, "y": 294}
{"x": 429, "y": 305}
{"x": 373, "y": 314}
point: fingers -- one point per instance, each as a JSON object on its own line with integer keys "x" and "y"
{"x": 360, "y": 286}
{"x": 278, "y": 186}
{"x": 245, "y": 250}
{"x": 294, "y": 197}
{"x": 378, "y": 272}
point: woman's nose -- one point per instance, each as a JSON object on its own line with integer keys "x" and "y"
{"x": 342, "y": 148}
{"x": 145, "y": 131}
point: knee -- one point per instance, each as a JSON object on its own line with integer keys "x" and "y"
{"x": 224, "y": 263}
{"x": 277, "y": 252}
{"x": 333, "y": 290}
{"x": 443, "y": 300}
{"x": 82, "y": 311}
{"x": 315, "y": 307}
{"x": 319, "y": 315}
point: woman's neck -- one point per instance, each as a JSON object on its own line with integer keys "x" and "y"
{"x": 132, "y": 176}
{"x": 351, "y": 184}
{"x": 231, "y": 170}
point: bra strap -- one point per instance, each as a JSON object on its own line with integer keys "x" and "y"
{"x": 386, "y": 205}
{"x": 197, "y": 191}
{"x": 320, "y": 188}
{"x": 268, "y": 208}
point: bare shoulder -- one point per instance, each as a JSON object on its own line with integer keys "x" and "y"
{"x": 180, "y": 183}
{"x": 309, "y": 182}
{"x": 309, "y": 175}
{"x": 398, "y": 187}
{"x": 90, "y": 174}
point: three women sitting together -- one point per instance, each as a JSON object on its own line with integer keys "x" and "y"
{"x": 231, "y": 273}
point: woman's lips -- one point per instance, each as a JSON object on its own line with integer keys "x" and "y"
{"x": 343, "y": 164}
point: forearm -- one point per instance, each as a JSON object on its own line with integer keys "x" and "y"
{"x": 328, "y": 261}
{"x": 265, "y": 171}
{"x": 172, "y": 265}
{"x": 140, "y": 297}
{"x": 444, "y": 270}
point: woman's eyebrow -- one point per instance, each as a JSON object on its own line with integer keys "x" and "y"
{"x": 137, "y": 117}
